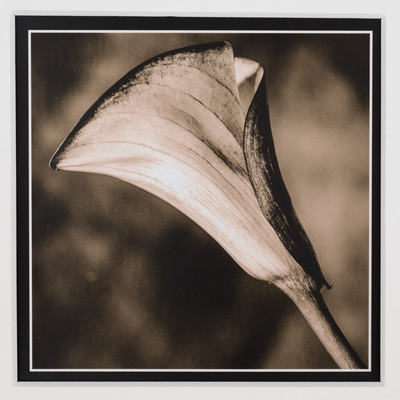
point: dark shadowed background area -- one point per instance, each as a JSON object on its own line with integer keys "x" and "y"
{"x": 123, "y": 280}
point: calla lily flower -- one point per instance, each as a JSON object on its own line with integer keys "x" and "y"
{"x": 192, "y": 127}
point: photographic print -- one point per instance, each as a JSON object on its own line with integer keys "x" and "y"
{"x": 198, "y": 199}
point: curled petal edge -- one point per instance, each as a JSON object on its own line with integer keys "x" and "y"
{"x": 269, "y": 187}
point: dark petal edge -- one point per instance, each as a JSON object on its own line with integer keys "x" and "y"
{"x": 117, "y": 87}
{"x": 269, "y": 187}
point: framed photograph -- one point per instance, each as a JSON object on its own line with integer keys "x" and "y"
{"x": 198, "y": 199}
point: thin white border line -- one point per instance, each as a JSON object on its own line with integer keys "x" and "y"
{"x": 200, "y": 370}
{"x": 30, "y": 200}
{"x": 203, "y": 31}
{"x": 370, "y": 199}
{"x": 31, "y": 369}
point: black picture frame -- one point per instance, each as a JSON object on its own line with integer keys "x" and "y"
{"x": 27, "y": 23}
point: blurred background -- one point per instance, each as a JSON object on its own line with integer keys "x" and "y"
{"x": 123, "y": 280}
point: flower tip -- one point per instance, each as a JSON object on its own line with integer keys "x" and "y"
{"x": 53, "y": 163}
{"x": 57, "y": 158}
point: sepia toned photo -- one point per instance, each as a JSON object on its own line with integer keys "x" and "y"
{"x": 202, "y": 203}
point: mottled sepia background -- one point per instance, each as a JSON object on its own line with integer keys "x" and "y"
{"x": 123, "y": 280}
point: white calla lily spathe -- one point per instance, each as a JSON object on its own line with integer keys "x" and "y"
{"x": 192, "y": 127}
